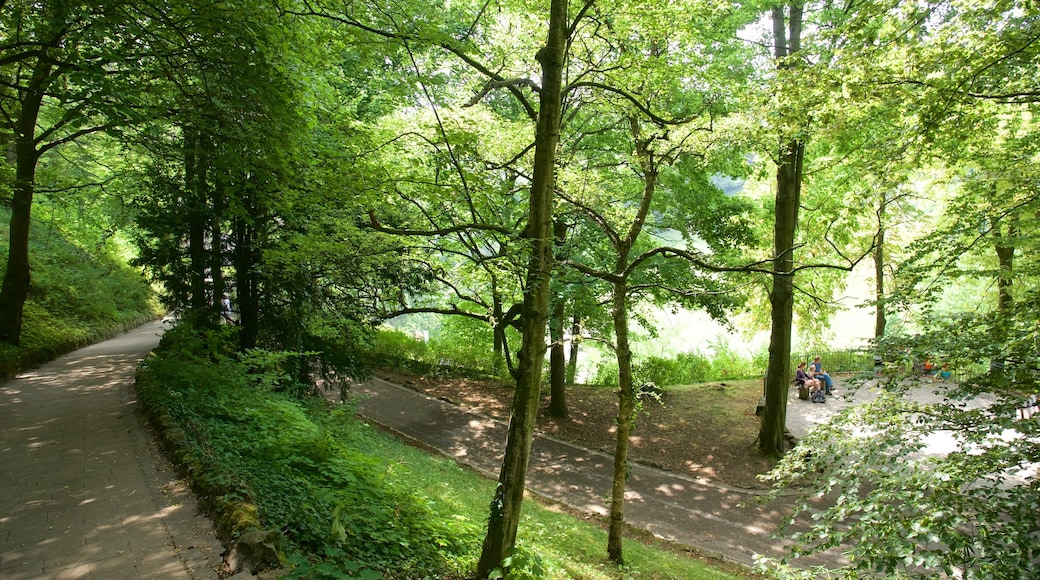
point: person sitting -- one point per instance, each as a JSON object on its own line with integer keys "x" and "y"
{"x": 801, "y": 377}
{"x": 929, "y": 368}
{"x": 816, "y": 371}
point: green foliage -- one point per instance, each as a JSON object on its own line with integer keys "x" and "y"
{"x": 462, "y": 348}
{"x": 298, "y": 461}
{"x": 392, "y": 346}
{"x": 77, "y": 297}
{"x": 465, "y": 343}
{"x": 725, "y": 364}
{"x": 353, "y": 502}
{"x": 968, "y": 508}
{"x": 925, "y": 514}
{"x": 520, "y": 564}
{"x": 685, "y": 368}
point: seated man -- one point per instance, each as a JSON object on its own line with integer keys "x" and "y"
{"x": 817, "y": 373}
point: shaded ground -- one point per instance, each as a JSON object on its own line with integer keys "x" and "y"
{"x": 705, "y": 430}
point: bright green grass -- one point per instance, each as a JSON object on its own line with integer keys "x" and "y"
{"x": 77, "y": 296}
{"x": 569, "y": 548}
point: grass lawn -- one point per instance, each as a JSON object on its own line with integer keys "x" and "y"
{"x": 566, "y": 546}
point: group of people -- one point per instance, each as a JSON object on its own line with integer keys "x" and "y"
{"x": 813, "y": 377}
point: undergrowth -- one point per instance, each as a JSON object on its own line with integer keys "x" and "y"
{"x": 299, "y": 462}
{"x": 349, "y": 501}
{"x": 76, "y": 297}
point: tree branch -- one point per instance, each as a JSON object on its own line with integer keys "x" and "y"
{"x": 375, "y": 225}
{"x": 643, "y": 108}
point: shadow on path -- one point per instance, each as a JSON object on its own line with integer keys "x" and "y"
{"x": 84, "y": 494}
{"x": 710, "y": 517}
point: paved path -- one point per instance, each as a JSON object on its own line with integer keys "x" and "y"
{"x": 82, "y": 492}
{"x": 714, "y": 518}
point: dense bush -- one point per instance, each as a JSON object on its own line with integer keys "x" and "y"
{"x": 684, "y": 368}
{"x": 469, "y": 354}
{"x": 300, "y": 462}
{"x": 462, "y": 348}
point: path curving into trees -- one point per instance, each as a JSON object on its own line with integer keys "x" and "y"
{"x": 85, "y": 493}
{"x": 716, "y": 519}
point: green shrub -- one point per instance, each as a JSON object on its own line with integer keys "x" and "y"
{"x": 725, "y": 364}
{"x": 299, "y": 463}
{"x": 683, "y": 369}
{"x": 729, "y": 365}
{"x": 463, "y": 348}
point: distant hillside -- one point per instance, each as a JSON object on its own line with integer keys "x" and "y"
{"x": 77, "y": 297}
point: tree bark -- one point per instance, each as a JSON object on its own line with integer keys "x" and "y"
{"x": 1005, "y": 248}
{"x": 619, "y": 312}
{"x": 771, "y": 439}
{"x": 626, "y": 414}
{"x": 557, "y": 363}
{"x": 557, "y": 355}
{"x": 246, "y": 283}
{"x": 216, "y": 246}
{"x": 505, "y": 505}
{"x": 880, "y": 319}
{"x": 498, "y": 331}
{"x": 195, "y": 205}
{"x": 771, "y": 436}
{"x": 572, "y": 361}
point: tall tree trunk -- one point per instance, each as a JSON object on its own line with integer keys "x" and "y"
{"x": 504, "y": 320}
{"x": 625, "y": 417}
{"x": 1005, "y": 248}
{"x": 498, "y": 332}
{"x": 557, "y": 355}
{"x": 557, "y": 362}
{"x": 15, "y": 288}
{"x": 572, "y": 361}
{"x": 619, "y": 312}
{"x": 216, "y": 249}
{"x": 880, "y": 319}
{"x": 509, "y": 494}
{"x": 196, "y": 204}
{"x": 771, "y": 439}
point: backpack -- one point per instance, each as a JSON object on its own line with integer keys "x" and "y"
{"x": 819, "y": 397}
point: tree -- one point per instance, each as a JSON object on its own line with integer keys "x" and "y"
{"x": 966, "y": 99}
{"x": 557, "y": 360}
{"x": 455, "y": 200}
{"x": 248, "y": 196}
{"x": 880, "y": 318}
{"x": 505, "y": 506}
{"x": 635, "y": 266}
{"x": 68, "y": 71}
{"x": 787, "y": 32}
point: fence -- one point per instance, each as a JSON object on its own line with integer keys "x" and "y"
{"x": 839, "y": 361}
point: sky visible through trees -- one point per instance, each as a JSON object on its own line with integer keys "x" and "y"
{"x": 529, "y": 167}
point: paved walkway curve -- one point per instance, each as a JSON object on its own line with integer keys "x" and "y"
{"x": 714, "y": 518}
{"x": 83, "y": 492}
